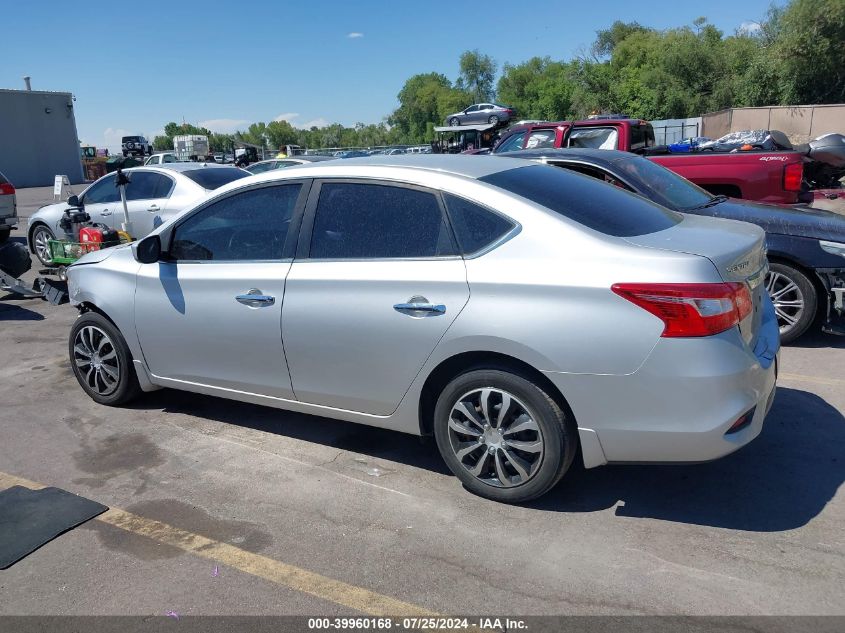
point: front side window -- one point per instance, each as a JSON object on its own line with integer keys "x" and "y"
{"x": 471, "y": 109}
{"x": 475, "y": 227}
{"x": 146, "y": 185}
{"x": 511, "y": 143}
{"x": 363, "y": 221}
{"x": 247, "y": 226}
{"x": 594, "y": 137}
{"x": 154, "y": 160}
{"x": 101, "y": 192}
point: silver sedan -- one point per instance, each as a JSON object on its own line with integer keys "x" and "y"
{"x": 154, "y": 194}
{"x": 515, "y": 311}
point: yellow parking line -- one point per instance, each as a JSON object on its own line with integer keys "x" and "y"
{"x": 275, "y": 571}
{"x": 815, "y": 379}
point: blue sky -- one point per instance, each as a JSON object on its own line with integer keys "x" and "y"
{"x": 135, "y": 65}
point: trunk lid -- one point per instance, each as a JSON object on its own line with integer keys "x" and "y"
{"x": 736, "y": 249}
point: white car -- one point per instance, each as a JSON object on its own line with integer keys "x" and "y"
{"x": 153, "y": 195}
{"x": 161, "y": 158}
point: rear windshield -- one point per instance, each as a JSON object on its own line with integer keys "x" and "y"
{"x": 3, "y": 180}
{"x": 662, "y": 185}
{"x": 131, "y": 139}
{"x": 216, "y": 177}
{"x": 597, "y": 205}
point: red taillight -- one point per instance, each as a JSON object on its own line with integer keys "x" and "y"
{"x": 691, "y": 309}
{"x": 6, "y": 189}
{"x": 792, "y": 176}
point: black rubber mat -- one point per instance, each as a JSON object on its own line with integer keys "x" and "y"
{"x": 31, "y": 518}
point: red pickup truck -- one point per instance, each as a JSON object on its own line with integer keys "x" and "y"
{"x": 773, "y": 177}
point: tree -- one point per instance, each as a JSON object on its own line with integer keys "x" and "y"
{"x": 280, "y": 133}
{"x": 478, "y": 72}
{"x": 607, "y": 39}
{"x": 424, "y": 101}
{"x": 539, "y": 88}
{"x": 162, "y": 143}
{"x": 809, "y": 49}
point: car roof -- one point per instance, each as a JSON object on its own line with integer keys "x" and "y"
{"x": 605, "y": 157}
{"x": 309, "y": 158}
{"x": 180, "y": 167}
{"x": 468, "y": 166}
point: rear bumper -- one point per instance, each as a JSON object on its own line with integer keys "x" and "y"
{"x": 679, "y": 405}
{"x": 10, "y": 222}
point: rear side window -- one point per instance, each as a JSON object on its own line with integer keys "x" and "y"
{"x": 362, "y": 221}
{"x": 213, "y": 178}
{"x": 594, "y": 137}
{"x": 147, "y": 185}
{"x": 540, "y": 139}
{"x": 475, "y": 227}
{"x": 596, "y": 205}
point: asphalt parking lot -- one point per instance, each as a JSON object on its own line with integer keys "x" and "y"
{"x": 226, "y": 508}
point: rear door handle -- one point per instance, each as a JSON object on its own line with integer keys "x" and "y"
{"x": 419, "y": 307}
{"x": 254, "y": 299}
{"x": 153, "y": 207}
{"x": 105, "y": 212}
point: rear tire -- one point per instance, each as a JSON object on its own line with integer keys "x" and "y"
{"x": 454, "y": 121}
{"x": 101, "y": 360}
{"x": 493, "y": 120}
{"x": 795, "y": 299}
{"x": 511, "y": 457}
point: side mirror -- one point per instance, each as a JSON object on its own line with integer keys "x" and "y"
{"x": 147, "y": 250}
{"x": 73, "y": 201}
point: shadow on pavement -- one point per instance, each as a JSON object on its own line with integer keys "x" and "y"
{"x": 780, "y": 481}
{"x": 818, "y": 340}
{"x": 14, "y": 312}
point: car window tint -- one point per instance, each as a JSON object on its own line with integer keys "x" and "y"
{"x": 153, "y": 160}
{"x": 475, "y": 227}
{"x": 169, "y": 158}
{"x": 358, "y": 221}
{"x": 593, "y": 172}
{"x": 511, "y": 143}
{"x": 101, "y": 192}
{"x": 472, "y": 109}
{"x": 540, "y": 138}
{"x": 587, "y": 201}
{"x": 146, "y": 185}
{"x": 247, "y": 226}
{"x": 212, "y": 178}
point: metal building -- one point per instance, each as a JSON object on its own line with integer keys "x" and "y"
{"x": 38, "y": 138}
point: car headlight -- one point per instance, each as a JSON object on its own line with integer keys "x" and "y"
{"x": 834, "y": 248}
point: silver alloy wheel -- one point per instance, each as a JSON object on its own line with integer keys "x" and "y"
{"x": 40, "y": 241}
{"x": 495, "y": 437}
{"x": 455, "y": 121}
{"x": 787, "y": 299}
{"x": 96, "y": 358}
{"x": 493, "y": 120}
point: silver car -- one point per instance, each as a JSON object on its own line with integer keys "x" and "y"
{"x": 154, "y": 194}
{"x": 517, "y": 312}
{"x": 481, "y": 113}
{"x": 281, "y": 163}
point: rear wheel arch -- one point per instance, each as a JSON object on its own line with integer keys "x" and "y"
{"x": 461, "y": 363}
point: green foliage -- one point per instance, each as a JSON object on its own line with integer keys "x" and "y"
{"x": 539, "y": 88}
{"x": 478, "y": 74}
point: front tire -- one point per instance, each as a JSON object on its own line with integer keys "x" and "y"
{"x": 454, "y": 121}
{"x": 101, "y": 360}
{"x": 502, "y": 435}
{"x": 795, "y": 299}
{"x": 39, "y": 240}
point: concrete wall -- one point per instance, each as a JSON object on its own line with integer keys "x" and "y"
{"x": 38, "y": 138}
{"x": 799, "y": 123}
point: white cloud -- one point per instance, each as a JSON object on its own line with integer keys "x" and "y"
{"x": 224, "y": 126}
{"x": 318, "y": 122}
{"x": 354, "y": 35}
{"x": 286, "y": 116}
{"x": 749, "y": 28}
{"x": 112, "y": 138}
